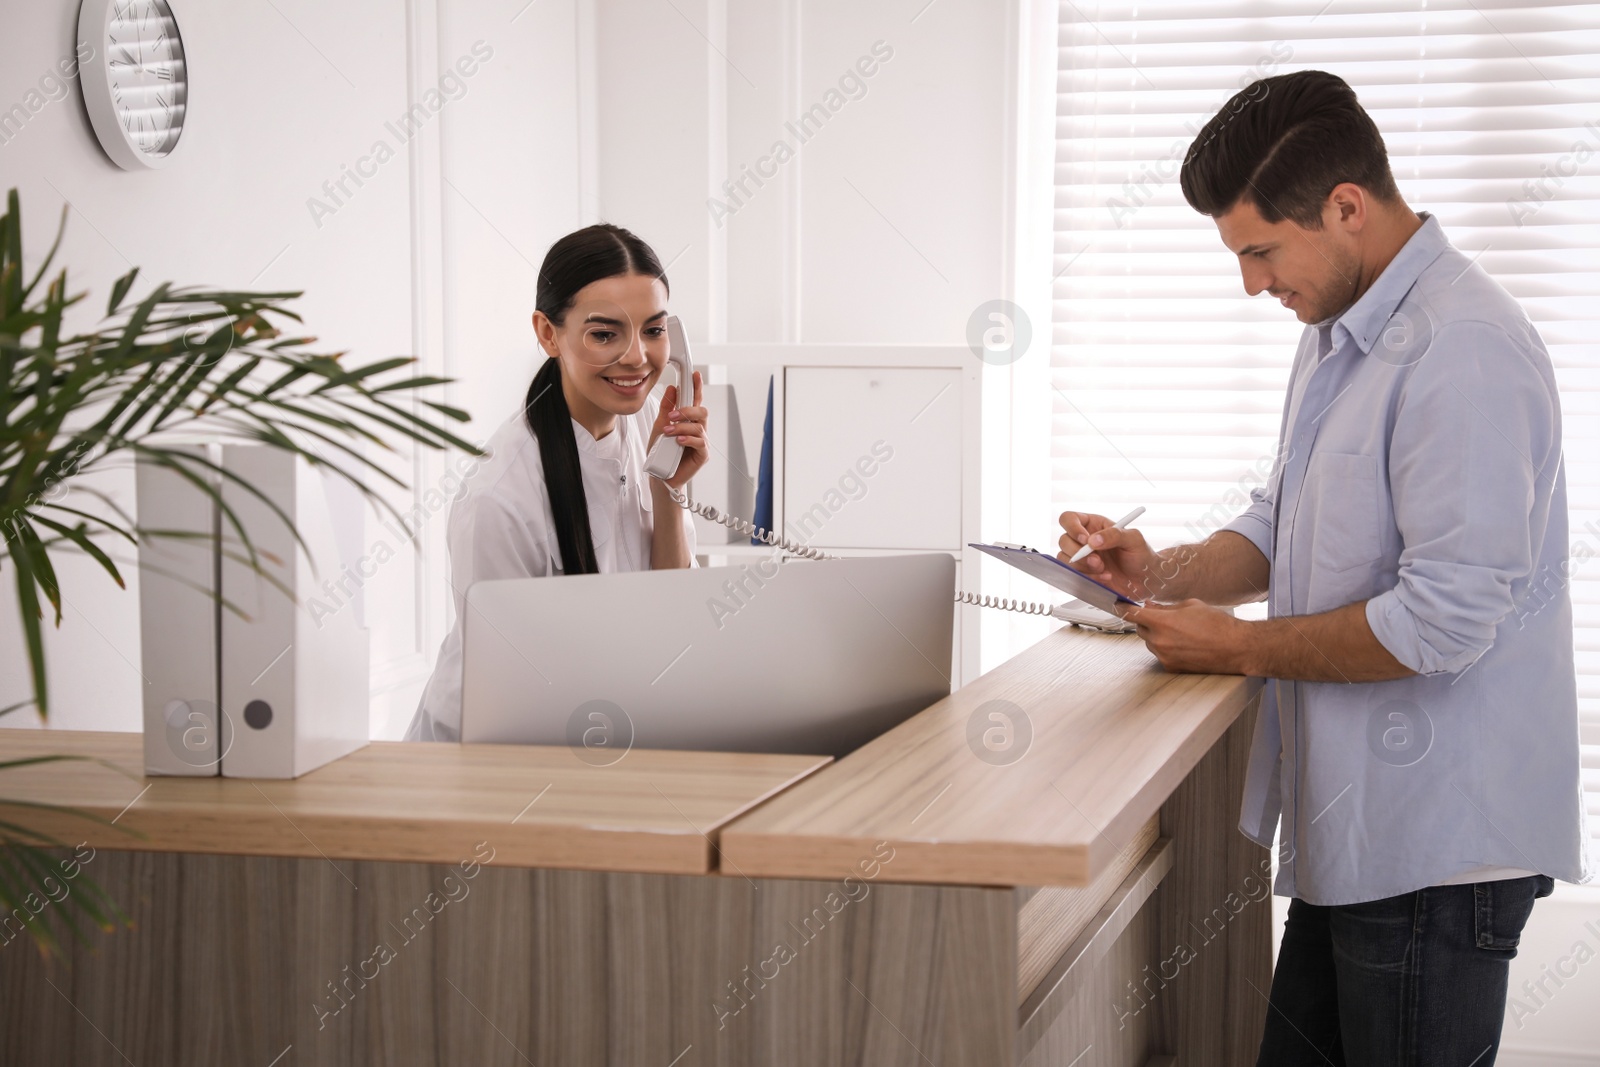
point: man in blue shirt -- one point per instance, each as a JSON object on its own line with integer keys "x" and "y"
{"x": 1418, "y": 733}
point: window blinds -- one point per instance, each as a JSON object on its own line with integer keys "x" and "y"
{"x": 1168, "y": 381}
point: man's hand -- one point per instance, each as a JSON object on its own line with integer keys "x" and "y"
{"x": 1226, "y": 568}
{"x": 1192, "y": 636}
{"x": 1120, "y": 559}
{"x": 1334, "y": 646}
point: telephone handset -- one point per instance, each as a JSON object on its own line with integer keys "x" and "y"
{"x": 662, "y": 460}
{"x": 662, "y": 463}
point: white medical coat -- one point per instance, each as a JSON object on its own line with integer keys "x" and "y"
{"x": 501, "y": 526}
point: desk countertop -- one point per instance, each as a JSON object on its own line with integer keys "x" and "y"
{"x": 424, "y": 802}
{"x": 1112, "y": 735}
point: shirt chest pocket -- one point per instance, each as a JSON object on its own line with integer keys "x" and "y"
{"x": 1344, "y": 491}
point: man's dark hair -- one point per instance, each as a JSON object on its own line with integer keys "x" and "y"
{"x": 1282, "y": 144}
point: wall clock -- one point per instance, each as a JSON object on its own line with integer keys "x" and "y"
{"x": 136, "y": 79}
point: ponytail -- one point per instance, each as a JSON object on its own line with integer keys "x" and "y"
{"x": 546, "y": 411}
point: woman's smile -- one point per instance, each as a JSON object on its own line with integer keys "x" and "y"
{"x": 628, "y": 384}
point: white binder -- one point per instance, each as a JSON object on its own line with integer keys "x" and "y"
{"x": 178, "y": 621}
{"x": 295, "y": 684}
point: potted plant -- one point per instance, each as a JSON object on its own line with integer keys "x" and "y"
{"x": 177, "y": 360}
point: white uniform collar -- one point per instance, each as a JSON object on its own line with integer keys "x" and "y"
{"x": 586, "y": 440}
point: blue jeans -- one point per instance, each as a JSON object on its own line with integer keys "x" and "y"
{"x": 1407, "y": 981}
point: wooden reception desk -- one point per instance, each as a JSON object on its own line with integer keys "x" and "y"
{"x": 1042, "y": 868}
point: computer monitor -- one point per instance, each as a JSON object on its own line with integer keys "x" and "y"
{"x": 797, "y": 656}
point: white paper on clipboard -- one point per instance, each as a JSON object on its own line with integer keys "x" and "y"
{"x": 1053, "y": 572}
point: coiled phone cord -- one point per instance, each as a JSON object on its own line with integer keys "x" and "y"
{"x": 768, "y": 537}
{"x": 1027, "y": 607}
{"x": 738, "y": 525}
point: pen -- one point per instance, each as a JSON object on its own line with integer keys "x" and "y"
{"x": 1119, "y": 524}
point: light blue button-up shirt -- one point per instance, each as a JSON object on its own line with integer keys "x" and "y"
{"x": 1420, "y": 470}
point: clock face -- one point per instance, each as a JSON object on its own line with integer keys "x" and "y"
{"x": 137, "y": 86}
{"x": 149, "y": 82}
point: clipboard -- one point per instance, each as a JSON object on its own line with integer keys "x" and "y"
{"x": 1053, "y": 572}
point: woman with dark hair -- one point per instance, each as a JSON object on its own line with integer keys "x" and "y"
{"x": 563, "y": 490}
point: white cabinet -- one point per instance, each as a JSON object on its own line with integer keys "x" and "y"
{"x": 874, "y": 452}
{"x": 872, "y": 457}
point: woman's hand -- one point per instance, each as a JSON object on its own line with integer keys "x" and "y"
{"x": 688, "y": 425}
{"x": 1121, "y": 558}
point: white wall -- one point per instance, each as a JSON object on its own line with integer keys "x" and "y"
{"x": 511, "y": 163}
{"x": 267, "y": 125}
{"x": 888, "y": 224}
{"x": 420, "y": 259}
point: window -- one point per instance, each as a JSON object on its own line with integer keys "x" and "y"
{"x": 1168, "y": 380}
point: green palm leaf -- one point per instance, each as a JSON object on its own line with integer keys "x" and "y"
{"x": 174, "y": 361}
